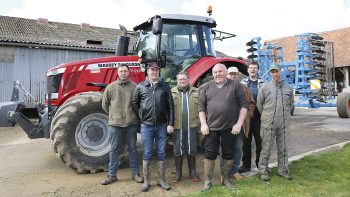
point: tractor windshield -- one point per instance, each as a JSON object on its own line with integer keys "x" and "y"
{"x": 181, "y": 44}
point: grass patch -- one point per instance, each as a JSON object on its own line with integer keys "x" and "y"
{"x": 326, "y": 174}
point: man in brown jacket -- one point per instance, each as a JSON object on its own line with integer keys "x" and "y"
{"x": 233, "y": 74}
{"x": 122, "y": 123}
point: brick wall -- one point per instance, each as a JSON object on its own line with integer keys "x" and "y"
{"x": 340, "y": 38}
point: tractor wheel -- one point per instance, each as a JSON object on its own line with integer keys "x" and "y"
{"x": 343, "y": 105}
{"x": 80, "y": 135}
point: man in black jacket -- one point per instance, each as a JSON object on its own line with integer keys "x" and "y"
{"x": 153, "y": 102}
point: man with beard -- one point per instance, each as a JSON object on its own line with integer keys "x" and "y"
{"x": 122, "y": 123}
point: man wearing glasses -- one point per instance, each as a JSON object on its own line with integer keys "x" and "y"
{"x": 186, "y": 125}
{"x": 253, "y": 82}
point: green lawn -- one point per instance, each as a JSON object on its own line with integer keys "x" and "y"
{"x": 326, "y": 174}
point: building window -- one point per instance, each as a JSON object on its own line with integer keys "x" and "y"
{"x": 7, "y": 54}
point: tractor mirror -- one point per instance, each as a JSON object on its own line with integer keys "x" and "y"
{"x": 157, "y": 26}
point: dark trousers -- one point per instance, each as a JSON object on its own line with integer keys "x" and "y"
{"x": 212, "y": 143}
{"x": 247, "y": 144}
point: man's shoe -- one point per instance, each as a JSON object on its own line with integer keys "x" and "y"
{"x": 286, "y": 176}
{"x": 109, "y": 180}
{"x": 265, "y": 177}
{"x": 244, "y": 169}
{"x": 236, "y": 176}
{"x": 137, "y": 178}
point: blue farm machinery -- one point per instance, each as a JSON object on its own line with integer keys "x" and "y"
{"x": 312, "y": 74}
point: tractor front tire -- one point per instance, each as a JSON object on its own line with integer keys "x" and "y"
{"x": 80, "y": 135}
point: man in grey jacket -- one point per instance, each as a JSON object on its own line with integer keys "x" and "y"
{"x": 122, "y": 123}
{"x": 275, "y": 100}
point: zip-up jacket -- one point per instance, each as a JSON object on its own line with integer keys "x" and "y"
{"x": 193, "y": 97}
{"x": 260, "y": 82}
{"x": 116, "y": 102}
{"x": 248, "y": 95}
{"x": 153, "y": 103}
{"x": 275, "y": 100}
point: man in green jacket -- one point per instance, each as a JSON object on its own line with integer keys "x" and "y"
{"x": 122, "y": 123}
{"x": 186, "y": 125}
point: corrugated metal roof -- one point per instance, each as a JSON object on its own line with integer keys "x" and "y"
{"x": 29, "y": 31}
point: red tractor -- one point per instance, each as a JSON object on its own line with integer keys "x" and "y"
{"x": 73, "y": 117}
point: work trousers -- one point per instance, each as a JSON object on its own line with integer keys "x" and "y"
{"x": 268, "y": 137}
{"x": 247, "y": 144}
{"x": 120, "y": 136}
{"x": 214, "y": 139}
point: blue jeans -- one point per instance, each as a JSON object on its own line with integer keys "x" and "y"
{"x": 149, "y": 134}
{"x": 120, "y": 136}
{"x": 237, "y": 152}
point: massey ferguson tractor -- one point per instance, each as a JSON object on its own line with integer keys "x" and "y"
{"x": 73, "y": 117}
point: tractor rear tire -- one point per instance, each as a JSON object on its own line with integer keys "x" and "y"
{"x": 343, "y": 105}
{"x": 80, "y": 135}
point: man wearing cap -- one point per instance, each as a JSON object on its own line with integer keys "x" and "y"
{"x": 253, "y": 82}
{"x": 153, "y": 102}
{"x": 233, "y": 74}
{"x": 275, "y": 100}
{"x": 222, "y": 109}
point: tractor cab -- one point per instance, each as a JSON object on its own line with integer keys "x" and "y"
{"x": 175, "y": 41}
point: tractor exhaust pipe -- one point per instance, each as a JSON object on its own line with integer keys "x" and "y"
{"x": 122, "y": 43}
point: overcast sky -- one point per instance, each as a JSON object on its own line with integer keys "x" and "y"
{"x": 268, "y": 19}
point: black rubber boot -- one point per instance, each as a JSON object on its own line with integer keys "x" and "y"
{"x": 191, "y": 159}
{"x": 178, "y": 166}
